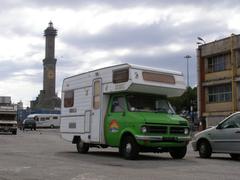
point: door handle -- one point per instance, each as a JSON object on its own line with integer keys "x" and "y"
{"x": 238, "y": 132}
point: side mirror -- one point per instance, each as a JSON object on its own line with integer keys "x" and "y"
{"x": 115, "y": 103}
{"x": 219, "y": 126}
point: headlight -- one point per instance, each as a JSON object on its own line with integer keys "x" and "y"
{"x": 186, "y": 131}
{"x": 144, "y": 129}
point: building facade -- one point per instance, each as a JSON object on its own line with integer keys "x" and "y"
{"x": 218, "y": 79}
{"x": 48, "y": 99}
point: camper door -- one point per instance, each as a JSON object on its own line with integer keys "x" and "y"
{"x": 96, "y": 110}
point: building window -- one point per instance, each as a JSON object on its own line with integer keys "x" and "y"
{"x": 217, "y": 63}
{"x": 68, "y": 98}
{"x": 238, "y": 58}
{"x": 220, "y": 93}
{"x": 42, "y": 119}
{"x": 96, "y": 95}
{"x": 120, "y": 76}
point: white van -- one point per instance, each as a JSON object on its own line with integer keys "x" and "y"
{"x": 46, "y": 120}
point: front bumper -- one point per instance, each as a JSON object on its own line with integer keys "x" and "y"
{"x": 162, "y": 138}
{"x": 6, "y": 129}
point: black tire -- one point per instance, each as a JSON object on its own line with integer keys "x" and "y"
{"x": 235, "y": 156}
{"x": 82, "y": 147}
{"x": 14, "y": 132}
{"x": 129, "y": 148}
{"x": 52, "y": 126}
{"x": 205, "y": 150}
{"x": 104, "y": 146}
{"x": 178, "y": 153}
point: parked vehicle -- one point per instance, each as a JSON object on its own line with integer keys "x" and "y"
{"x": 46, "y": 120}
{"x": 223, "y": 138}
{"x": 8, "y": 112}
{"x": 124, "y": 106}
{"x": 29, "y": 124}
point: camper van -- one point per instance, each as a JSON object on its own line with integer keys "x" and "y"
{"x": 124, "y": 106}
{"x": 46, "y": 120}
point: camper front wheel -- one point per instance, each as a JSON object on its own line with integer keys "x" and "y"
{"x": 129, "y": 148}
{"x": 178, "y": 153}
{"x": 82, "y": 147}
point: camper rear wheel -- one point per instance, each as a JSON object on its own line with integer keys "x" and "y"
{"x": 82, "y": 147}
{"x": 129, "y": 148}
{"x": 235, "y": 156}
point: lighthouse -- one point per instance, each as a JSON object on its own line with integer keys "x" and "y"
{"x": 47, "y": 99}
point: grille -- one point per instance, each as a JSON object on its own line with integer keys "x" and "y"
{"x": 177, "y": 130}
{"x": 157, "y": 129}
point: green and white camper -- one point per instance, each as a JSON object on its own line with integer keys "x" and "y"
{"x": 124, "y": 106}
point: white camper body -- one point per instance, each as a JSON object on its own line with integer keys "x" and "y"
{"x": 46, "y": 120}
{"x": 81, "y": 93}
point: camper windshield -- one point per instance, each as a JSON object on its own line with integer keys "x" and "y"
{"x": 149, "y": 103}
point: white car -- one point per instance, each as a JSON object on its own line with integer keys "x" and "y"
{"x": 223, "y": 138}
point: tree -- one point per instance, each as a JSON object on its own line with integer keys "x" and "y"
{"x": 187, "y": 100}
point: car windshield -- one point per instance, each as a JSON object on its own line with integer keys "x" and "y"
{"x": 149, "y": 103}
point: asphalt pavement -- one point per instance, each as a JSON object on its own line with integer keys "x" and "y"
{"x": 44, "y": 155}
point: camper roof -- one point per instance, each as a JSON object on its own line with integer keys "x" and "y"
{"x": 132, "y": 66}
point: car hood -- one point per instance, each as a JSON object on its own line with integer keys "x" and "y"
{"x": 163, "y": 118}
{"x": 202, "y": 133}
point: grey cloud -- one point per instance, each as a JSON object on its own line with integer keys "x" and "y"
{"x": 157, "y": 34}
{"x": 11, "y": 68}
{"x": 117, "y": 3}
{"x": 124, "y": 35}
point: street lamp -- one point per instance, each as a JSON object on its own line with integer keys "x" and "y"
{"x": 187, "y": 58}
{"x": 201, "y": 41}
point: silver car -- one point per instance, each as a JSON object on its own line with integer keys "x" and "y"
{"x": 223, "y": 138}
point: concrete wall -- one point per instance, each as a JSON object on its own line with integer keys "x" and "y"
{"x": 219, "y": 107}
{"x": 218, "y": 75}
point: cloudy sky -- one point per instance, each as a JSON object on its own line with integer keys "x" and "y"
{"x": 98, "y": 33}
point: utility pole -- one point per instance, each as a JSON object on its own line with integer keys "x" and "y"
{"x": 187, "y": 58}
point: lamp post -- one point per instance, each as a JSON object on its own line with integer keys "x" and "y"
{"x": 201, "y": 39}
{"x": 187, "y": 58}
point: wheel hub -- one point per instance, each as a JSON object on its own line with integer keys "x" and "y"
{"x": 202, "y": 148}
{"x": 128, "y": 148}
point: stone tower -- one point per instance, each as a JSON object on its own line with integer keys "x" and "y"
{"x": 49, "y": 63}
{"x": 47, "y": 99}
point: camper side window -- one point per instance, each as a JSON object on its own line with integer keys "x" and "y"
{"x": 120, "y": 76}
{"x": 68, "y": 98}
{"x": 96, "y": 95}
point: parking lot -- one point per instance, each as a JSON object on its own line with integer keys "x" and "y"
{"x": 42, "y": 154}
